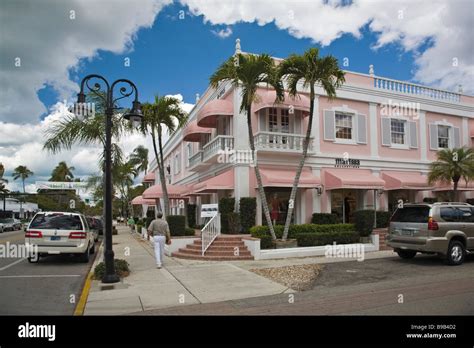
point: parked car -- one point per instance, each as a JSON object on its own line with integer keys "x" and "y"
{"x": 60, "y": 233}
{"x": 17, "y": 224}
{"x": 7, "y": 224}
{"x": 444, "y": 228}
{"x": 94, "y": 227}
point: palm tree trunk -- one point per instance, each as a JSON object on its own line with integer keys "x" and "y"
{"x": 160, "y": 166}
{"x": 261, "y": 192}
{"x": 300, "y": 166}
{"x": 162, "y": 174}
{"x": 455, "y": 190}
{"x": 23, "y": 180}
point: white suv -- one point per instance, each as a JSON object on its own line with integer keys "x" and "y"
{"x": 60, "y": 233}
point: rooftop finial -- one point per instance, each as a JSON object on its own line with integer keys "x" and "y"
{"x": 460, "y": 88}
{"x": 197, "y": 98}
{"x": 237, "y": 47}
{"x": 371, "y": 70}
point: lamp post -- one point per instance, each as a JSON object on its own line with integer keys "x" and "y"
{"x": 135, "y": 116}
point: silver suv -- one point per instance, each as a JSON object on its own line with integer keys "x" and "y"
{"x": 446, "y": 229}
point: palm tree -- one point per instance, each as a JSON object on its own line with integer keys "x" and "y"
{"x": 451, "y": 165}
{"x": 62, "y": 172}
{"x": 22, "y": 172}
{"x": 139, "y": 158}
{"x": 248, "y": 72}
{"x": 311, "y": 70}
{"x": 164, "y": 112}
{"x": 3, "y": 181}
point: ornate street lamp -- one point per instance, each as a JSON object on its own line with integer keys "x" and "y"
{"x": 134, "y": 116}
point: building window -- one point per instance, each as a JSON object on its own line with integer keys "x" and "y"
{"x": 189, "y": 149}
{"x": 443, "y": 137}
{"x": 273, "y": 120}
{"x": 397, "y": 128}
{"x": 343, "y": 126}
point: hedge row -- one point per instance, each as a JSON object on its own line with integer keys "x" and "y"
{"x": 177, "y": 225}
{"x": 324, "y": 218}
{"x": 325, "y": 238}
{"x": 259, "y": 231}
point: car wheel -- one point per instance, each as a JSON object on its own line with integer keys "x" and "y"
{"x": 85, "y": 255}
{"x": 406, "y": 254}
{"x": 456, "y": 253}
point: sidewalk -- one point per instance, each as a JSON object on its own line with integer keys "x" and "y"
{"x": 179, "y": 282}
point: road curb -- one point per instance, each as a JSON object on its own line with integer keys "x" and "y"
{"x": 81, "y": 305}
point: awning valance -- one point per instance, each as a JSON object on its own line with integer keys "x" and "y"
{"x": 266, "y": 99}
{"x": 139, "y": 200}
{"x": 149, "y": 177}
{"x": 207, "y": 116}
{"x": 155, "y": 192}
{"x": 192, "y": 132}
{"x": 405, "y": 181}
{"x": 352, "y": 179}
{"x": 224, "y": 181}
{"x": 272, "y": 177}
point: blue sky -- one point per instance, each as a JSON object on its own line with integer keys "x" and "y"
{"x": 178, "y": 55}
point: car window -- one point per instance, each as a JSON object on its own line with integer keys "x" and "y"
{"x": 465, "y": 214}
{"x": 449, "y": 214}
{"x": 57, "y": 222}
{"x": 411, "y": 214}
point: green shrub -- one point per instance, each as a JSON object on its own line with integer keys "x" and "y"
{"x": 191, "y": 213}
{"x": 364, "y": 222}
{"x": 121, "y": 269}
{"x": 324, "y": 218}
{"x": 266, "y": 242}
{"x": 226, "y": 206}
{"x": 383, "y": 218}
{"x": 325, "y": 238}
{"x": 188, "y": 231}
{"x": 233, "y": 219}
{"x": 248, "y": 209}
{"x": 259, "y": 231}
{"x": 177, "y": 224}
{"x": 430, "y": 200}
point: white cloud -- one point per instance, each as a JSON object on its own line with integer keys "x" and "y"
{"x": 223, "y": 33}
{"x": 408, "y": 23}
{"x": 49, "y": 42}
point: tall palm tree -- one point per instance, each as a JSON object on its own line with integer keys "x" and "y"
{"x": 451, "y": 165}
{"x": 62, "y": 172}
{"x": 164, "y": 112}
{"x": 310, "y": 69}
{"x": 22, "y": 172}
{"x": 248, "y": 71}
{"x": 139, "y": 158}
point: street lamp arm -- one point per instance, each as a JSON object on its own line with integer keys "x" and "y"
{"x": 97, "y": 87}
{"x": 123, "y": 90}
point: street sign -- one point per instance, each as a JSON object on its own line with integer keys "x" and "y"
{"x": 60, "y": 185}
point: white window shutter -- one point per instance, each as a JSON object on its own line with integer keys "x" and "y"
{"x": 413, "y": 134}
{"x": 386, "y": 133}
{"x": 361, "y": 129}
{"x": 263, "y": 120}
{"x": 456, "y": 137}
{"x": 329, "y": 125}
{"x": 433, "y": 136}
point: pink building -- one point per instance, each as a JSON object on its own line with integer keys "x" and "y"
{"x": 371, "y": 146}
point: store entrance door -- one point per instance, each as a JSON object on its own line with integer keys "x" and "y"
{"x": 344, "y": 204}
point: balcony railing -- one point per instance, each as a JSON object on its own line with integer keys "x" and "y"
{"x": 281, "y": 142}
{"x": 195, "y": 159}
{"x": 221, "y": 142}
{"x": 415, "y": 90}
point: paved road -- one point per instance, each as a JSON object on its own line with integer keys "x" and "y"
{"x": 50, "y": 287}
{"x": 389, "y": 286}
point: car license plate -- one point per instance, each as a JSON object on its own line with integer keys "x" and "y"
{"x": 55, "y": 238}
{"x": 407, "y": 233}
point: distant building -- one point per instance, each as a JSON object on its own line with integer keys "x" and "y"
{"x": 14, "y": 205}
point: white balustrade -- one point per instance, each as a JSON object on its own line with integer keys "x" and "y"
{"x": 281, "y": 141}
{"x": 413, "y": 89}
{"x": 210, "y": 232}
{"x": 195, "y": 159}
{"x": 221, "y": 142}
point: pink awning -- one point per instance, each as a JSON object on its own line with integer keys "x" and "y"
{"x": 192, "y": 132}
{"x": 149, "y": 177}
{"x": 285, "y": 177}
{"x": 405, "y": 181}
{"x": 224, "y": 181}
{"x": 154, "y": 192}
{"x": 266, "y": 99}
{"x": 352, "y": 179}
{"x": 207, "y": 116}
{"x": 461, "y": 186}
{"x": 139, "y": 200}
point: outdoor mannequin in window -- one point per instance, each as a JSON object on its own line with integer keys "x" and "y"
{"x": 275, "y": 208}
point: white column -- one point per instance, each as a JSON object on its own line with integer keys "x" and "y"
{"x": 239, "y": 123}
{"x": 241, "y": 183}
{"x": 423, "y": 147}
{"x": 302, "y": 205}
{"x": 316, "y": 197}
{"x": 259, "y": 210}
{"x": 315, "y": 134}
{"x": 374, "y": 130}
